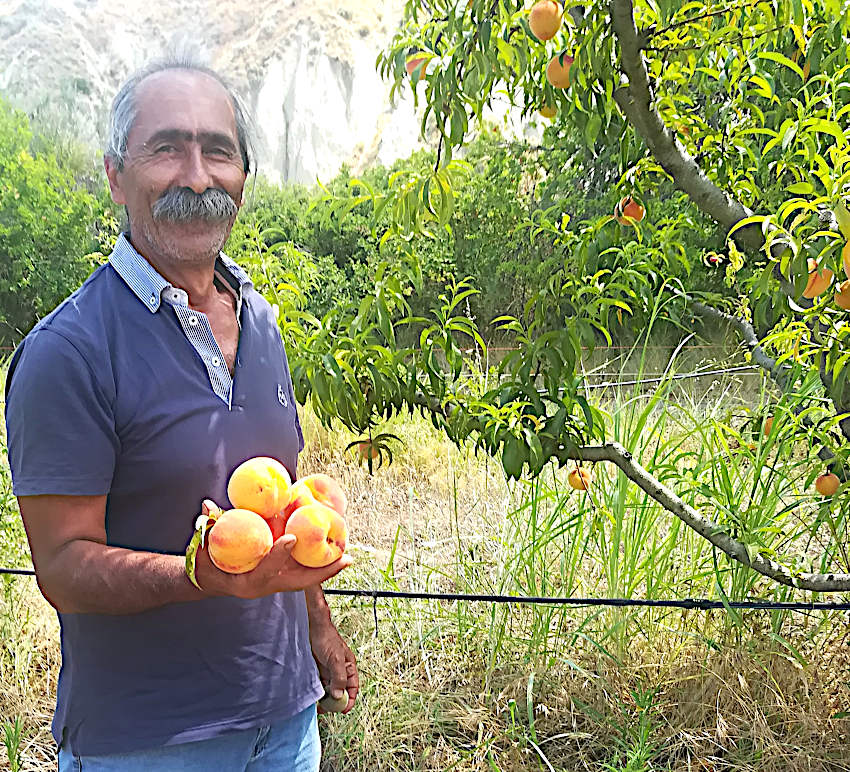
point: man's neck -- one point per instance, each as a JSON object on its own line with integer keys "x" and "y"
{"x": 196, "y": 278}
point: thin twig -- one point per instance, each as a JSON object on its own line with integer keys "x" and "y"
{"x": 700, "y": 17}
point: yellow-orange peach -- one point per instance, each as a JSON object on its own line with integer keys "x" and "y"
{"x": 579, "y": 479}
{"x": 544, "y": 19}
{"x": 411, "y": 66}
{"x": 558, "y": 70}
{"x": 320, "y": 535}
{"x": 629, "y": 211}
{"x": 842, "y": 295}
{"x": 368, "y": 450}
{"x": 326, "y": 491}
{"x": 260, "y": 484}
{"x": 238, "y": 541}
{"x": 548, "y": 111}
{"x": 827, "y": 484}
{"x": 819, "y": 280}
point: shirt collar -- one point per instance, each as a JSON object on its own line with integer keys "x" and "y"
{"x": 146, "y": 282}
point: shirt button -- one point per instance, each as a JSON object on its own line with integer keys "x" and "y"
{"x": 193, "y": 320}
{"x": 152, "y": 301}
{"x": 216, "y": 361}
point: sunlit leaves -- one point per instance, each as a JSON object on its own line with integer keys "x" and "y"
{"x": 418, "y": 200}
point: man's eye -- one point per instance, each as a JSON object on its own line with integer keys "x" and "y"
{"x": 222, "y": 152}
{"x": 165, "y": 149}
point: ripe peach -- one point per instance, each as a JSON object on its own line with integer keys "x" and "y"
{"x": 299, "y": 496}
{"x": 326, "y": 491}
{"x": 629, "y": 210}
{"x": 238, "y": 540}
{"x": 411, "y": 66}
{"x": 819, "y": 280}
{"x": 579, "y": 479}
{"x": 558, "y": 70}
{"x": 842, "y": 295}
{"x": 544, "y": 19}
{"x": 260, "y": 484}
{"x": 368, "y": 450}
{"x": 320, "y": 534}
{"x": 277, "y": 525}
{"x": 548, "y": 111}
{"x": 827, "y": 484}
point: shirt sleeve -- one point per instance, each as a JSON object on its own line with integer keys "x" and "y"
{"x": 59, "y": 421}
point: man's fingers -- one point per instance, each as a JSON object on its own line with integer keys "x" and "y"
{"x": 323, "y": 574}
{"x": 353, "y": 687}
{"x": 353, "y": 678}
{"x": 283, "y": 545}
{"x": 337, "y": 674}
{"x": 291, "y": 573}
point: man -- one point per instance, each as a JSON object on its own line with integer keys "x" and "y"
{"x": 126, "y": 407}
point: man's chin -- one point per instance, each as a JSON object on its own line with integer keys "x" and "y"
{"x": 196, "y": 241}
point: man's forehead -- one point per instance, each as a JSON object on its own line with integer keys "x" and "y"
{"x": 184, "y": 99}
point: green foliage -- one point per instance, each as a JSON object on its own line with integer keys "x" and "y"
{"x": 12, "y": 739}
{"x": 46, "y": 229}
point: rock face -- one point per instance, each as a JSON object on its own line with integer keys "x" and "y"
{"x": 306, "y": 69}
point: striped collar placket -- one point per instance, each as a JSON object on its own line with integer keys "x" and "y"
{"x": 152, "y": 290}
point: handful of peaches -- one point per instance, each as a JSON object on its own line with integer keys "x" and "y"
{"x": 267, "y": 504}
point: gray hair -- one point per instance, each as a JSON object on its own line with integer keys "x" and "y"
{"x": 123, "y": 112}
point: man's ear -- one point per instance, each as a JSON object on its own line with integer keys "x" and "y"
{"x": 112, "y": 173}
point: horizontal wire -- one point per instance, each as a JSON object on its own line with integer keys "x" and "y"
{"x": 701, "y": 604}
{"x": 676, "y": 377}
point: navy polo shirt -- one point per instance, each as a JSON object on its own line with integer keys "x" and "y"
{"x": 122, "y": 390}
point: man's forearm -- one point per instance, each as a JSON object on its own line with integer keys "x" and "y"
{"x": 88, "y": 577}
{"x": 318, "y": 611}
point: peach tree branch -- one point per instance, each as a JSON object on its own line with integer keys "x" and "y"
{"x": 707, "y": 528}
{"x": 615, "y": 453}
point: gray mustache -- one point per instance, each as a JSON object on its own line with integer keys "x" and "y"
{"x": 184, "y": 205}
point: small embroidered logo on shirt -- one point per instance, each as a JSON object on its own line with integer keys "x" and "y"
{"x": 281, "y": 396}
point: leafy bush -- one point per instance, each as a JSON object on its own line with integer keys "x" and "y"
{"x": 46, "y": 229}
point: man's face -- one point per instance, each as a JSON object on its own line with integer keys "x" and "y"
{"x": 182, "y": 152}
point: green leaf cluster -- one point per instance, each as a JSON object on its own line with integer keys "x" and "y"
{"x": 46, "y": 229}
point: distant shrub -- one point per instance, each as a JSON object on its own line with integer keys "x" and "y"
{"x": 46, "y": 229}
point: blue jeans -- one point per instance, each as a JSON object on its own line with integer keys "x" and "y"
{"x": 289, "y": 746}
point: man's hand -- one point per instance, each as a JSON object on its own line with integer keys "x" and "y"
{"x": 277, "y": 572}
{"x": 336, "y": 663}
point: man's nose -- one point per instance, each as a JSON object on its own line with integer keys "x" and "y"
{"x": 195, "y": 173}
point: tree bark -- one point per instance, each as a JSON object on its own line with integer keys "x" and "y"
{"x": 636, "y": 101}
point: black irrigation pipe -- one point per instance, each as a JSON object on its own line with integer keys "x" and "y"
{"x": 701, "y": 604}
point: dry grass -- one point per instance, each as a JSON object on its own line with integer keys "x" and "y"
{"x": 478, "y": 687}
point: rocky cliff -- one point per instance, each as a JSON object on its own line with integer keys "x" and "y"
{"x": 307, "y": 69}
